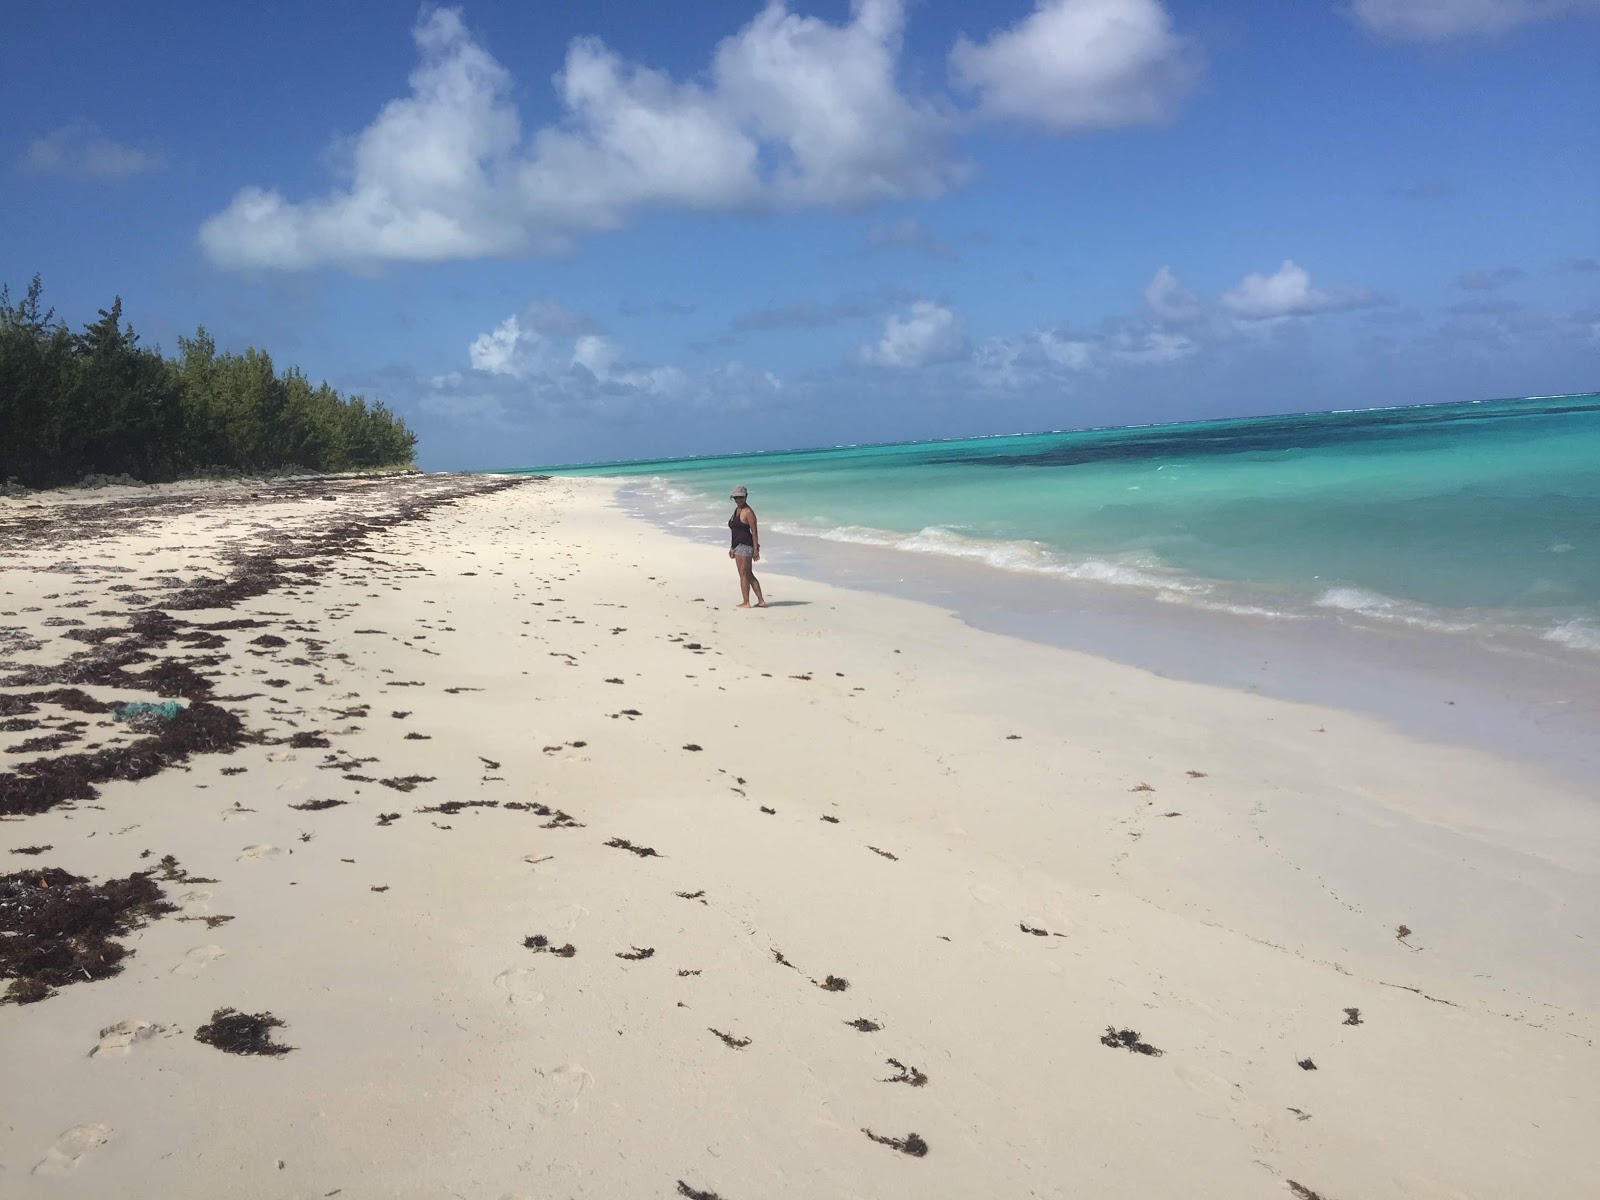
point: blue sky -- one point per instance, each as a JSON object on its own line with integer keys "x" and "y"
{"x": 549, "y": 232}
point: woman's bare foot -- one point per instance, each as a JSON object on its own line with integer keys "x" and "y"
{"x": 746, "y": 604}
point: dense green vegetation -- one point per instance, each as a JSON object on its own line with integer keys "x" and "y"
{"x": 98, "y": 403}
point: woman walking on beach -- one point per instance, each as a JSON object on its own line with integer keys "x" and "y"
{"x": 746, "y": 547}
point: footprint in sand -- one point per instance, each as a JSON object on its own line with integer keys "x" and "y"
{"x": 197, "y": 960}
{"x": 258, "y": 851}
{"x": 521, "y": 985}
{"x": 71, "y": 1146}
{"x": 984, "y": 894}
{"x": 562, "y": 1088}
{"x": 195, "y": 896}
{"x": 116, "y": 1040}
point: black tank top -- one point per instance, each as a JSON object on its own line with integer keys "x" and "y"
{"x": 741, "y": 531}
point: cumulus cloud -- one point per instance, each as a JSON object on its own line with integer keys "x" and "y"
{"x": 517, "y": 372}
{"x": 792, "y": 111}
{"x": 1286, "y": 293}
{"x": 1169, "y": 301}
{"x": 81, "y": 151}
{"x": 1439, "y": 20}
{"x": 927, "y": 333}
{"x": 1080, "y": 64}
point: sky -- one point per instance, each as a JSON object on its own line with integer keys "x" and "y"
{"x": 547, "y": 232}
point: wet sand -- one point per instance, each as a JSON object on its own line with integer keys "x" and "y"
{"x": 505, "y": 858}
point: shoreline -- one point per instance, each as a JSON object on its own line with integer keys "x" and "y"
{"x": 1516, "y": 697}
{"x": 567, "y": 879}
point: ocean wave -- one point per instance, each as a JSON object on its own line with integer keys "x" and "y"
{"x": 1576, "y": 633}
{"x": 1020, "y": 555}
{"x": 1387, "y": 608}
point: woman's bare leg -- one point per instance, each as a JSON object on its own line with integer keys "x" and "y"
{"x": 743, "y": 564}
{"x": 761, "y": 601}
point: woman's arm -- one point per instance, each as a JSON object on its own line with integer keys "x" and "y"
{"x": 755, "y": 534}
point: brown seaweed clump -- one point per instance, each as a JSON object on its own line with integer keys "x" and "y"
{"x": 234, "y": 1032}
{"x": 911, "y": 1144}
{"x": 1127, "y": 1039}
{"x": 40, "y": 785}
{"x": 57, "y": 928}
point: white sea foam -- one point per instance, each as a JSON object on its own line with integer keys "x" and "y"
{"x": 1577, "y": 633}
{"x": 1019, "y": 555}
{"x": 1386, "y": 608}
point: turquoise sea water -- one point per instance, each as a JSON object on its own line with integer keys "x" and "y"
{"x": 1481, "y": 516}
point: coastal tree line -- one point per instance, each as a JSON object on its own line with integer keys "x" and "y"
{"x": 96, "y": 402}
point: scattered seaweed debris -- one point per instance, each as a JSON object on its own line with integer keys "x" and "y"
{"x": 695, "y": 1193}
{"x": 864, "y": 1025}
{"x": 1402, "y": 932}
{"x": 1195, "y": 774}
{"x": 1030, "y": 929}
{"x": 625, "y": 844}
{"x": 884, "y": 854}
{"x": 692, "y": 746}
{"x": 911, "y": 1144}
{"x": 318, "y": 805}
{"x": 700, "y": 895}
{"x": 419, "y": 737}
{"x": 831, "y": 820}
{"x": 905, "y": 1074}
{"x": 211, "y": 922}
{"x": 613, "y": 681}
{"x": 1141, "y": 787}
{"x": 771, "y": 812}
{"x": 489, "y": 762}
{"x": 40, "y": 785}
{"x": 558, "y": 819}
{"x": 637, "y": 954}
{"x": 168, "y": 871}
{"x": 734, "y": 1043}
{"x": 1300, "y": 1114}
{"x": 234, "y": 1032}
{"x": 57, "y": 928}
{"x": 1306, "y": 1064}
{"x": 833, "y": 983}
{"x": 379, "y": 888}
{"x": 1302, "y": 1192}
{"x": 406, "y": 783}
{"x": 32, "y": 849}
{"x": 777, "y": 957}
{"x": 451, "y": 807}
{"x": 310, "y": 739}
{"x": 1127, "y": 1039}
{"x": 540, "y": 944}
{"x": 684, "y": 974}
{"x": 1352, "y": 1016}
{"x": 388, "y": 818}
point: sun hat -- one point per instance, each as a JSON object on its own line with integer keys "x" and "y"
{"x": 740, "y": 492}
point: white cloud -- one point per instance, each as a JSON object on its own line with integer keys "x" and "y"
{"x": 1080, "y": 64}
{"x": 1286, "y": 293}
{"x": 928, "y": 333}
{"x": 795, "y": 111}
{"x": 503, "y": 350}
{"x": 1438, "y": 20}
{"x": 792, "y": 111}
{"x": 81, "y": 151}
{"x": 1169, "y": 301}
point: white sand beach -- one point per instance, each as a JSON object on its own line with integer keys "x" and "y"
{"x": 835, "y": 875}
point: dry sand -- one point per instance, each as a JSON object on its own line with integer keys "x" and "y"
{"x": 983, "y": 851}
